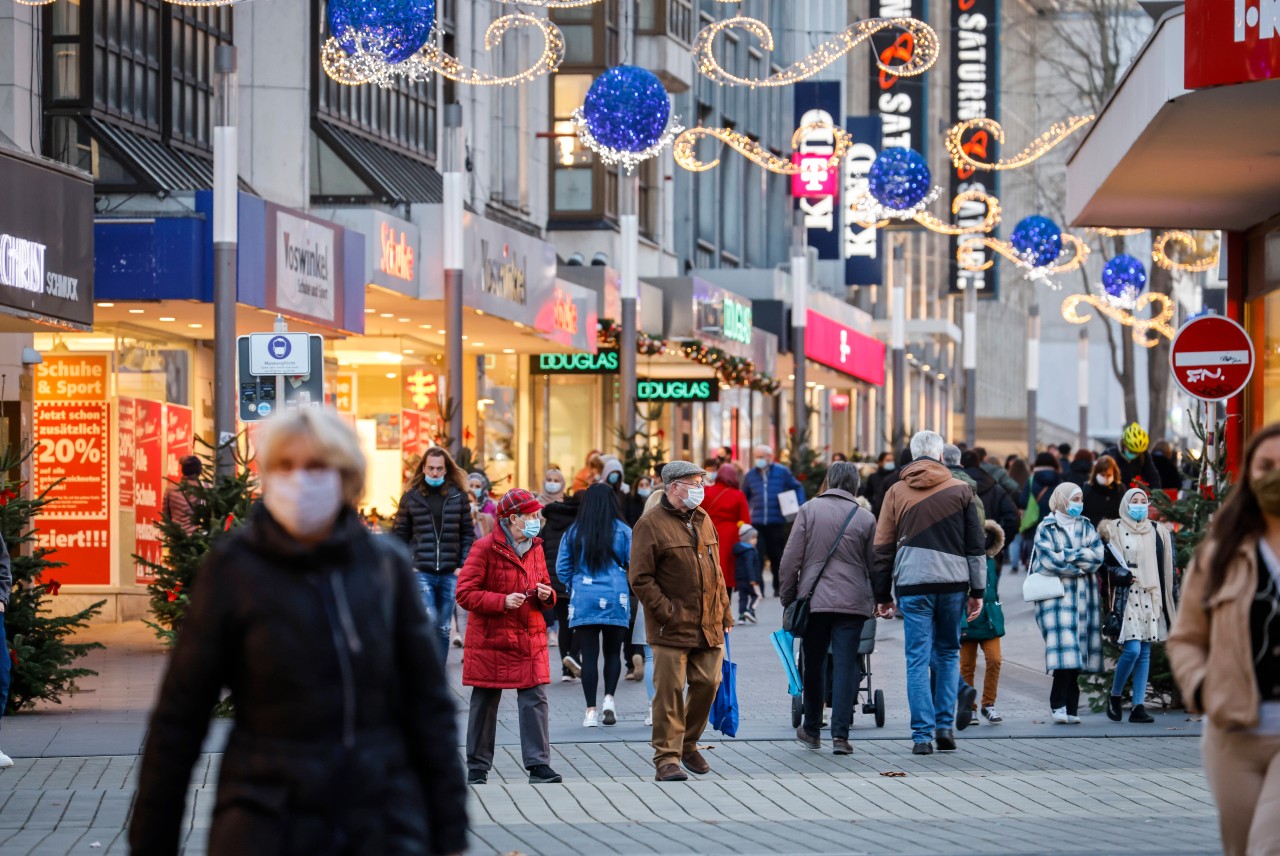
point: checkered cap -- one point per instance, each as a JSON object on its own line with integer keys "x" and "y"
{"x": 518, "y": 501}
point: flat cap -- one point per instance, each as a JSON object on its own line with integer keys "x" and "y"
{"x": 680, "y": 469}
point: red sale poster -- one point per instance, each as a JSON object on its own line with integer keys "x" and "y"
{"x": 177, "y": 439}
{"x": 124, "y": 444}
{"x": 148, "y": 485}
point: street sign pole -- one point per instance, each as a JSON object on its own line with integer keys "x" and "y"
{"x": 225, "y": 251}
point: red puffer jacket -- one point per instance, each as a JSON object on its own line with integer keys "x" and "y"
{"x": 506, "y": 648}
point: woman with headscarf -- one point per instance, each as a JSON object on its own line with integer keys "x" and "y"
{"x": 1139, "y": 559}
{"x": 727, "y": 506}
{"x": 483, "y": 508}
{"x": 1067, "y": 546}
{"x": 559, "y": 511}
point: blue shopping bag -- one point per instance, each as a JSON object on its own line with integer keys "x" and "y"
{"x": 785, "y": 646}
{"x": 724, "y": 710}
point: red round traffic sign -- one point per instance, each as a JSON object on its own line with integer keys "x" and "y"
{"x": 1212, "y": 358}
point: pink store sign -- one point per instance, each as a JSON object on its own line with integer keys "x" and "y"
{"x": 844, "y": 349}
{"x": 815, "y": 177}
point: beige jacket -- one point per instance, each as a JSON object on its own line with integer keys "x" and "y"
{"x": 1209, "y": 648}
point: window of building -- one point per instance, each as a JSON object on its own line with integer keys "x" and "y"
{"x": 194, "y": 37}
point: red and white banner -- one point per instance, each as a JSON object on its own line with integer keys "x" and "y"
{"x": 844, "y": 349}
{"x": 124, "y": 444}
{"x": 1231, "y": 41}
{"x": 178, "y": 442}
{"x": 148, "y": 487}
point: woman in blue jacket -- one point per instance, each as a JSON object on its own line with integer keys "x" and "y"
{"x": 592, "y": 564}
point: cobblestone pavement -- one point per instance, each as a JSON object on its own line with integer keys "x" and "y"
{"x": 1098, "y": 788}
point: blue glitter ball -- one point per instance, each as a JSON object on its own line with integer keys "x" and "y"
{"x": 900, "y": 179}
{"x": 401, "y": 27}
{"x": 627, "y": 109}
{"x": 1038, "y": 240}
{"x": 1124, "y": 276}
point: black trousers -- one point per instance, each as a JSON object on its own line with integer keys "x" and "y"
{"x": 773, "y": 540}
{"x": 592, "y": 640}
{"x": 842, "y": 634}
{"x": 1065, "y": 691}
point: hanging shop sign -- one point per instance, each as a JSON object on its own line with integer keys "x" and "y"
{"x": 679, "y": 391}
{"x": 839, "y": 401}
{"x": 719, "y": 317}
{"x": 1231, "y": 41}
{"x": 570, "y": 317}
{"x": 603, "y": 362}
{"x": 417, "y": 434}
{"x": 396, "y": 256}
{"x": 304, "y": 270}
{"x": 1212, "y": 358}
{"x": 975, "y": 68}
{"x": 737, "y": 320}
{"x": 509, "y": 273}
{"x": 844, "y": 349}
{"x": 814, "y": 177}
{"x": 820, "y": 101}
{"x": 423, "y": 388}
{"x": 148, "y": 486}
{"x": 863, "y": 245}
{"x": 179, "y": 440}
{"x": 899, "y": 101}
{"x": 46, "y": 249}
{"x": 392, "y": 257}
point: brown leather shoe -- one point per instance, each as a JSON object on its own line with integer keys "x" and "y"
{"x": 808, "y": 739}
{"x": 671, "y": 773}
{"x": 841, "y": 746}
{"x": 695, "y": 763}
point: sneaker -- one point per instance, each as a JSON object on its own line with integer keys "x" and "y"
{"x": 1138, "y": 714}
{"x": 751, "y": 618}
{"x": 566, "y": 678}
{"x": 5, "y": 761}
{"x": 637, "y": 666}
{"x": 574, "y": 667}
{"x": 922, "y": 749}
{"x": 1072, "y": 719}
{"x": 648, "y": 716}
{"x": 592, "y": 719}
{"x": 552, "y": 641}
{"x": 544, "y": 775}
{"x": 964, "y": 706}
{"x": 993, "y": 716}
{"x": 609, "y": 711}
{"x": 477, "y": 777}
{"x": 742, "y": 619}
{"x": 1115, "y": 711}
{"x": 457, "y": 641}
{"x": 1060, "y": 716}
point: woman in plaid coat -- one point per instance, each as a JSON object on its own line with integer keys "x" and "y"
{"x": 1068, "y": 546}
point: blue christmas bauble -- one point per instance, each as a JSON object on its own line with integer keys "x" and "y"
{"x": 900, "y": 178}
{"x": 396, "y": 28}
{"x": 1038, "y": 240}
{"x": 1124, "y": 276}
{"x": 627, "y": 109}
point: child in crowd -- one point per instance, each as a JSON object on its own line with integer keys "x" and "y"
{"x": 748, "y": 572}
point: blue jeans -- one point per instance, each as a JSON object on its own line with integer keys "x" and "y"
{"x": 438, "y": 596}
{"x": 648, "y": 672}
{"x": 1135, "y": 659}
{"x": 4, "y": 667}
{"x": 932, "y": 627}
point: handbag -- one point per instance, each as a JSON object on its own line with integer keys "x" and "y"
{"x": 1114, "y": 622}
{"x": 795, "y": 618}
{"x": 1031, "y": 515}
{"x": 1037, "y": 586}
{"x": 724, "y": 708}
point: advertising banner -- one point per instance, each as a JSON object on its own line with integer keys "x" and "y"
{"x": 344, "y": 392}
{"x": 304, "y": 267}
{"x": 820, "y": 101}
{"x": 900, "y": 102}
{"x": 844, "y": 349}
{"x": 124, "y": 444}
{"x": 148, "y": 484}
{"x": 863, "y": 245}
{"x": 178, "y": 440}
{"x": 975, "y": 68}
{"x": 1231, "y": 41}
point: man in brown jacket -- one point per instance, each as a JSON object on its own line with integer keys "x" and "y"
{"x": 675, "y": 573}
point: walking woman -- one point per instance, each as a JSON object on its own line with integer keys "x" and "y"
{"x": 1103, "y": 492}
{"x": 558, "y": 513}
{"x": 829, "y": 559}
{"x": 727, "y": 506}
{"x": 505, "y": 586}
{"x": 1067, "y": 546}
{"x": 344, "y": 738}
{"x": 434, "y": 519}
{"x": 1139, "y": 561}
{"x": 593, "y": 567}
{"x": 1224, "y": 653}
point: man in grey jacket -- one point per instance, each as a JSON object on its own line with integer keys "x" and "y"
{"x": 6, "y": 586}
{"x": 832, "y": 526}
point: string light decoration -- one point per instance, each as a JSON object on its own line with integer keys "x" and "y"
{"x": 923, "y": 50}
{"x": 1108, "y": 232}
{"x": 1038, "y": 148}
{"x": 1037, "y": 239}
{"x": 686, "y": 146}
{"x": 731, "y": 370}
{"x": 989, "y": 221}
{"x": 626, "y": 117}
{"x": 367, "y": 59}
{"x": 899, "y": 187}
{"x": 1145, "y": 331}
{"x": 1196, "y": 263}
{"x": 45, "y": 2}
{"x": 608, "y": 332}
{"x": 1123, "y": 279}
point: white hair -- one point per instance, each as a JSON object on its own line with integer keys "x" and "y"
{"x": 927, "y": 444}
{"x": 768, "y": 450}
{"x": 337, "y": 443}
{"x": 951, "y": 455}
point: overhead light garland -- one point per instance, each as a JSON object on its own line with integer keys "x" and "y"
{"x": 899, "y": 187}
{"x": 1159, "y": 253}
{"x": 989, "y": 221}
{"x": 924, "y": 50}
{"x": 1038, "y": 148}
{"x": 1123, "y": 279}
{"x": 733, "y": 371}
{"x": 626, "y": 117}
{"x": 686, "y": 146}
{"x": 1108, "y": 232}
{"x": 1035, "y": 246}
{"x": 609, "y": 331}
{"x": 1145, "y": 331}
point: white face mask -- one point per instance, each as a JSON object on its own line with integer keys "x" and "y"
{"x": 304, "y": 502}
{"x": 711, "y": 477}
{"x": 694, "y": 499}
{"x": 1103, "y": 481}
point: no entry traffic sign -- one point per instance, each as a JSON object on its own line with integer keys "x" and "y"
{"x": 1212, "y": 358}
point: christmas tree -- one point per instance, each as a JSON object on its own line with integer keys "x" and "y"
{"x": 805, "y": 462}
{"x": 641, "y": 452}
{"x": 217, "y": 506}
{"x": 38, "y": 647}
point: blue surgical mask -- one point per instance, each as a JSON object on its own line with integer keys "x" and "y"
{"x": 435, "y": 482}
{"x": 1138, "y": 512}
{"x": 644, "y": 492}
{"x": 532, "y": 528}
{"x": 552, "y": 488}
{"x": 695, "y": 497}
{"x": 614, "y": 478}
{"x": 761, "y": 463}
{"x": 1075, "y": 509}
{"x": 1127, "y": 455}
{"x": 888, "y": 468}
{"x": 478, "y": 491}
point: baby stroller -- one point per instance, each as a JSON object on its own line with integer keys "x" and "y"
{"x": 792, "y": 656}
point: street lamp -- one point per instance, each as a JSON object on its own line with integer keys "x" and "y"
{"x": 225, "y": 250}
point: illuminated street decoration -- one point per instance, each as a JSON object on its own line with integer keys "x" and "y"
{"x": 1109, "y": 232}
{"x": 1145, "y": 331}
{"x": 1038, "y": 148}
{"x": 989, "y": 221}
{"x": 923, "y": 55}
{"x": 899, "y": 186}
{"x": 1196, "y": 262}
{"x": 1123, "y": 279}
{"x": 685, "y": 148}
{"x": 1036, "y": 246}
{"x": 626, "y": 117}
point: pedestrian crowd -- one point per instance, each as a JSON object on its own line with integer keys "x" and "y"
{"x": 642, "y": 577}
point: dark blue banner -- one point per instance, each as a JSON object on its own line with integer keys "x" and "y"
{"x": 900, "y": 102}
{"x": 820, "y": 101}
{"x": 863, "y": 246}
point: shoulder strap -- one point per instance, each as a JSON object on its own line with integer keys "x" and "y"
{"x": 834, "y": 544}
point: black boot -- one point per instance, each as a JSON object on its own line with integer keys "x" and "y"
{"x": 1113, "y": 709}
{"x": 1139, "y": 714}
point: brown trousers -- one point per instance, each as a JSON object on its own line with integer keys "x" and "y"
{"x": 679, "y": 718}
{"x": 1244, "y": 775}
{"x": 969, "y": 667}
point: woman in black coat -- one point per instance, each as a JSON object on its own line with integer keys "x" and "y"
{"x": 1104, "y": 491}
{"x": 344, "y": 740}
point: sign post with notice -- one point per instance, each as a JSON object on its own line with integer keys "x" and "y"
{"x": 279, "y": 371}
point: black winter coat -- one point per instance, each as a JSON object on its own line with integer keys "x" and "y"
{"x": 344, "y": 739}
{"x": 559, "y": 516}
{"x": 1140, "y": 467}
{"x": 1078, "y": 473}
{"x": 1102, "y": 503}
{"x": 441, "y": 552}
{"x": 997, "y": 505}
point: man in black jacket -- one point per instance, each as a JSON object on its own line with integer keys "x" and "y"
{"x": 1134, "y": 460}
{"x": 434, "y": 519}
{"x": 873, "y": 489}
{"x": 997, "y": 505}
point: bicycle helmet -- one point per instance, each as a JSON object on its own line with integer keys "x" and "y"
{"x": 1135, "y": 439}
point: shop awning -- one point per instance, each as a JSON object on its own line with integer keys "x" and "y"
{"x": 154, "y": 165}
{"x": 1161, "y": 155}
{"x": 388, "y": 175}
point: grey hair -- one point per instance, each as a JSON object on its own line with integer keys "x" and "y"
{"x": 768, "y": 450}
{"x": 927, "y": 444}
{"x": 951, "y": 455}
{"x": 843, "y": 475}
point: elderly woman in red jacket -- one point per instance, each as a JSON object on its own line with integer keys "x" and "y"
{"x": 505, "y": 586}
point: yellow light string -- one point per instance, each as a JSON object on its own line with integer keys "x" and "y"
{"x": 989, "y": 221}
{"x": 968, "y": 260}
{"x": 1109, "y": 232}
{"x": 35, "y": 2}
{"x": 924, "y": 50}
{"x": 1158, "y": 254}
{"x": 1145, "y": 331}
{"x": 1038, "y": 148}
{"x": 367, "y": 66}
{"x": 685, "y": 148}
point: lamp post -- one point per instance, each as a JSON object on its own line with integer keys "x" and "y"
{"x": 226, "y": 225}
{"x": 898, "y": 339}
{"x": 1084, "y": 388}
{"x": 1033, "y": 379}
{"x": 629, "y": 259}
{"x": 970, "y": 364}
{"x": 454, "y": 261}
{"x": 799, "y": 321}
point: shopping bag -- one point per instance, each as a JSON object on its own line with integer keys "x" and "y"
{"x": 724, "y": 710}
{"x": 785, "y": 646}
{"x": 789, "y": 503}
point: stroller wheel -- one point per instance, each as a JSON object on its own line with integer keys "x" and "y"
{"x": 879, "y": 696}
{"x": 797, "y": 710}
